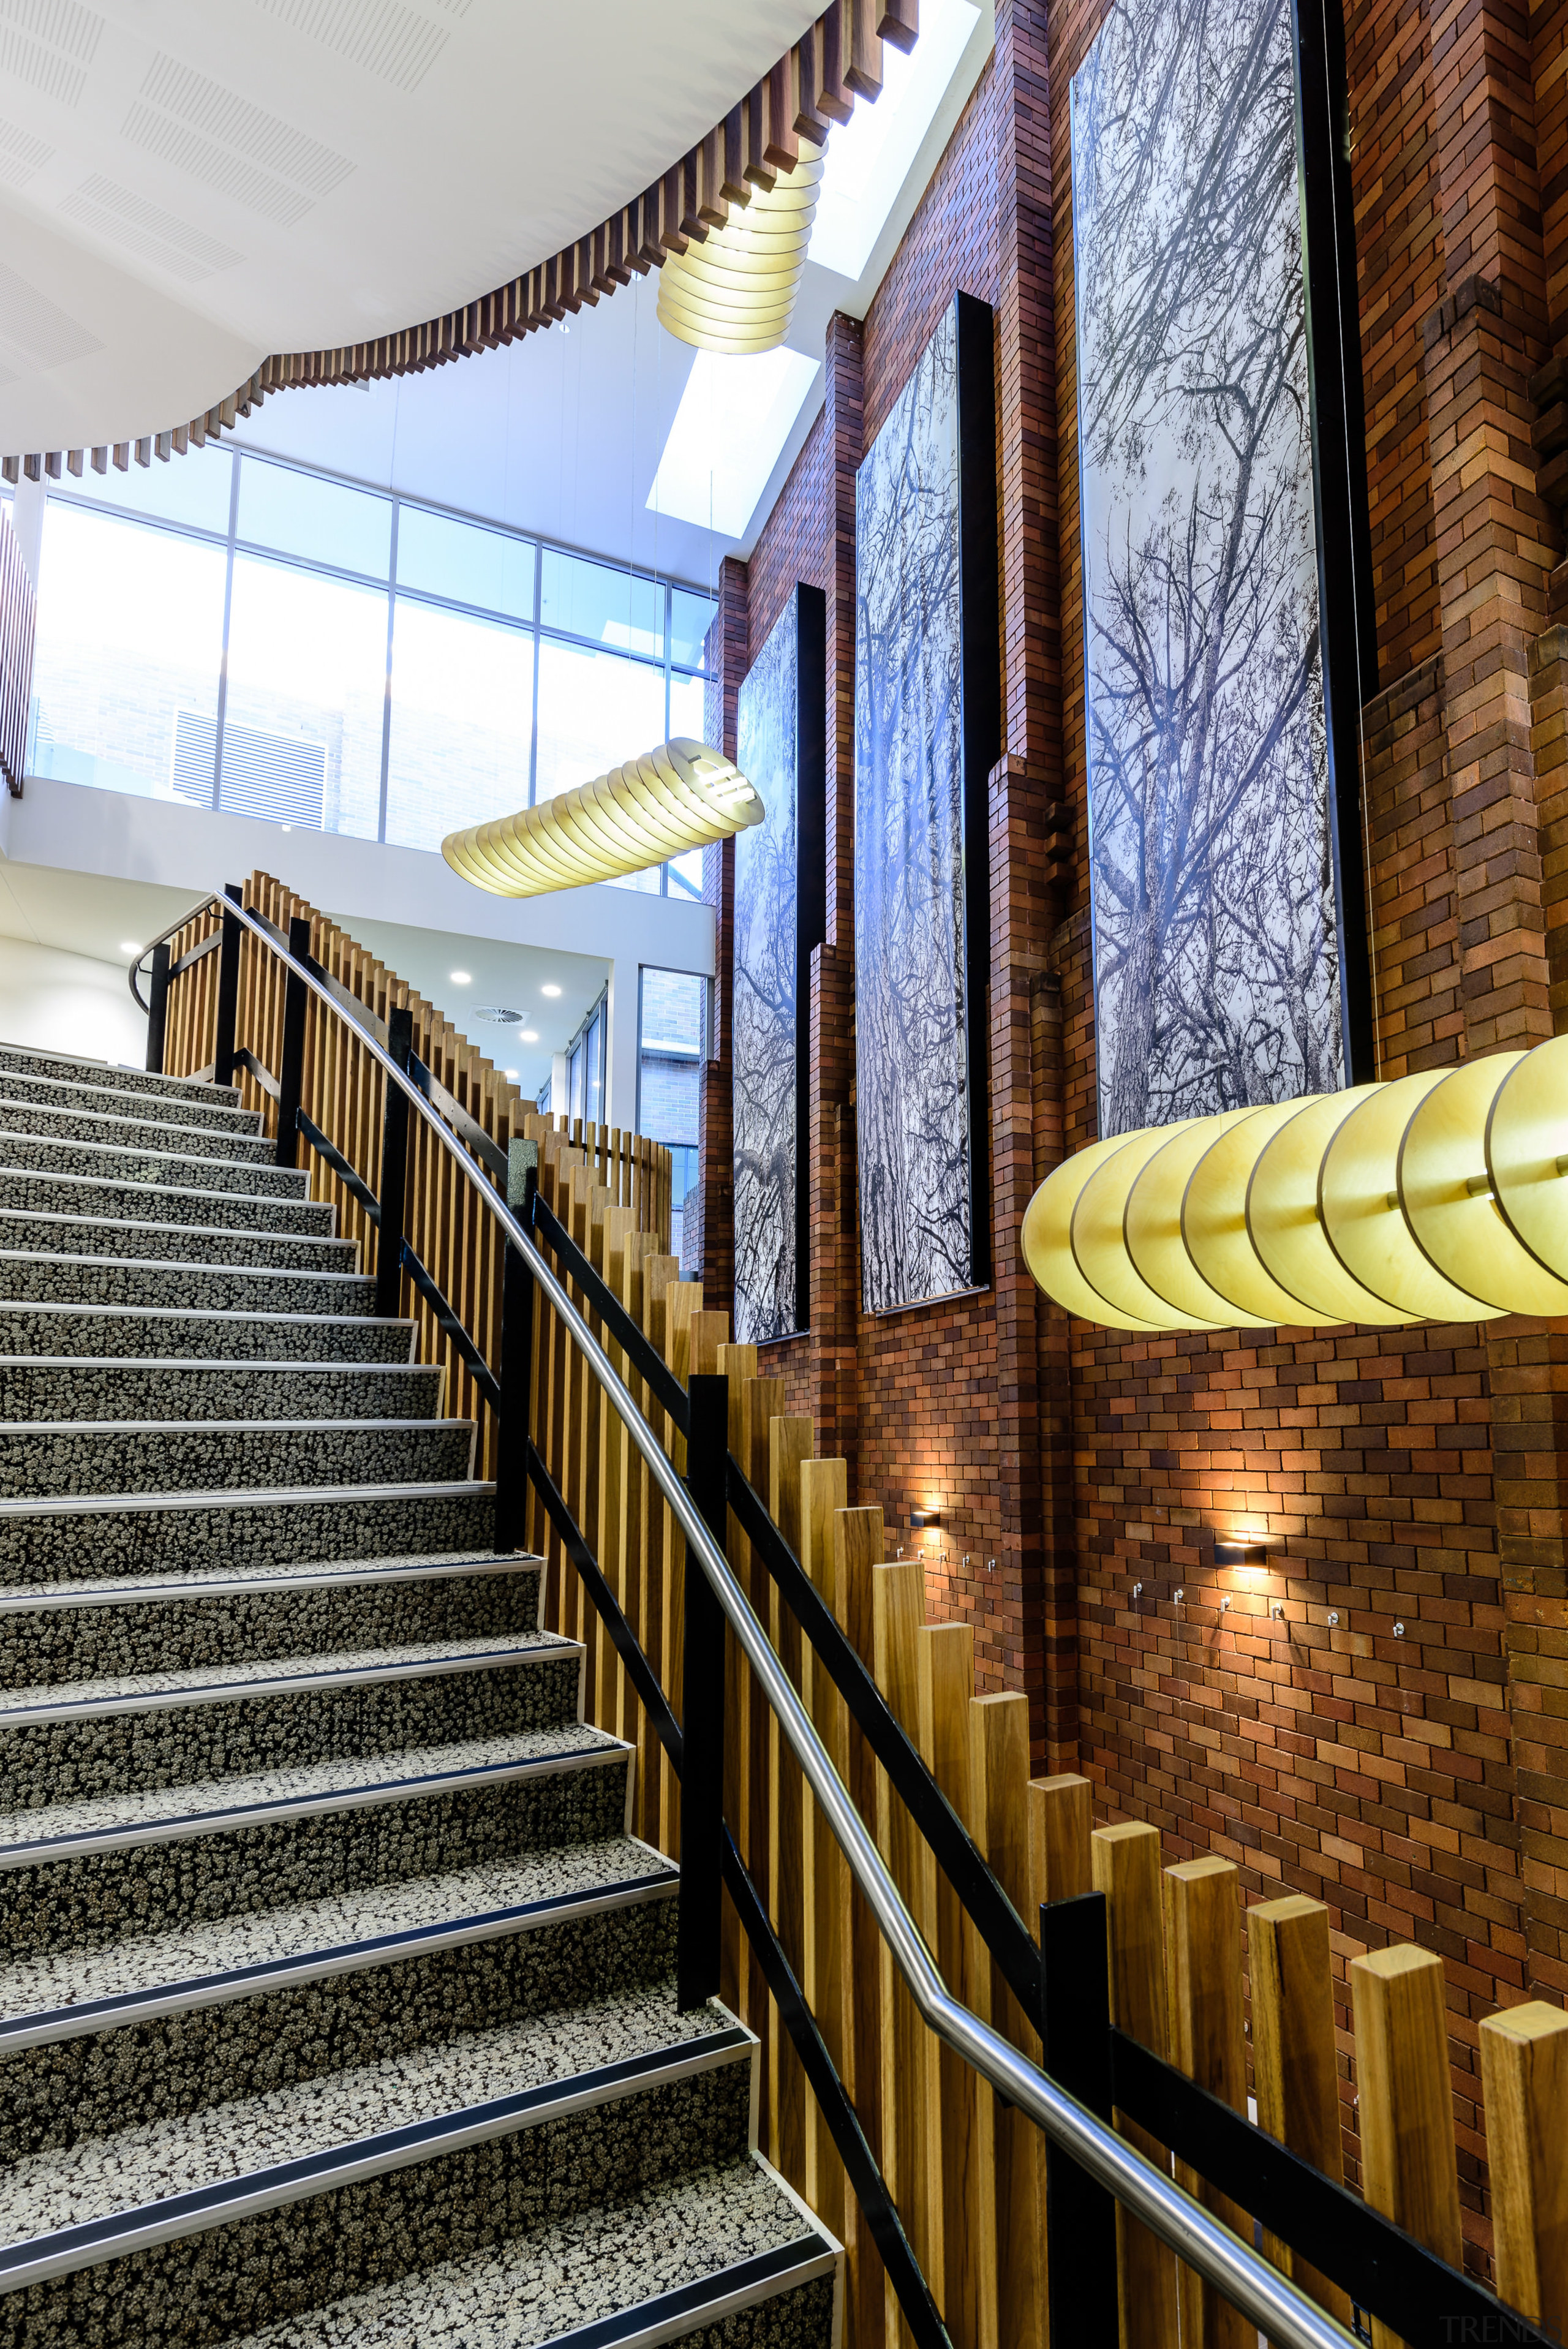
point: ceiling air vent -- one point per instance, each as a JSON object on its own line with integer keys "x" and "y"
{"x": 498, "y": 1015}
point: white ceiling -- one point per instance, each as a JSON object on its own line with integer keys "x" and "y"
{"x": 186, "y": 185}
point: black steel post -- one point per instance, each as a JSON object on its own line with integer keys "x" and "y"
{"x": 291, "y": 1077}
{"x": 512, "y": 1429}
{"x": 702, "y": 1727}
{"x": 228, "y": 992}
{"x": 158, "y": 1007}
{"x": 1075, "y": 2035}
{"x": 394, "y": 1170}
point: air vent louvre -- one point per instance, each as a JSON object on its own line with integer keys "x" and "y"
{"x": 161, "y": 237}
{"x": 278, "y": 777}
{"x": 498, "y": 1015}
{"x": 223, "y": 115}
{"x": 382, "y": 36}
{"x": 230, "y": 174}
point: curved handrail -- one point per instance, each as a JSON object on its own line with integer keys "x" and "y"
{"x": 1259, "y": 2290}
{"x": 189, "y": 916}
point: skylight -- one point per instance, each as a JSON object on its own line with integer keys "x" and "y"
{"x": 734, "y": 416}
{"x": 869, "y": 157}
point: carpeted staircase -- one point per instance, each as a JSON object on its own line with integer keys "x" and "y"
{"x": 337, "y": 2003}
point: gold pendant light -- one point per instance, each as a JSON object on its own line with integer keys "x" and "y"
{"x": 735, "y": 291}
{"x": 680, "y": 797}
{"x": 1441, "y": 1196}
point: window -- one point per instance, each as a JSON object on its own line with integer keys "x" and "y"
{"x": 373, "y": 666}
{"x": 585, "y": 1066}
{"x": 670, "y": 1043}
{"x": 129, "y": 653}
{"x": 463, "y": 718}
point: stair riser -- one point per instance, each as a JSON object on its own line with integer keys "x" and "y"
{"x": 173, "y": 1244}
{"x": 22, "y": 1194}
{"x": 192, "y": 1744}
{"x": 93, "y": 1077}
{"x": 37, "y": 1464}
{"x": 50, "y": 1548}
{"x": 143, "y": 1391}
{"x": 55, "y": 2093}
{"x": 74, "y": 1129}
{"x": 202, "y": 1287}
{"x": 46, "y": 1645}
{"x": 195, "y": 1337}
{"x": 95, "y": 1897}
{"x": 140, "y": 1109}
{"x": 170, "y": 1171}
{"x": 206, "y": 2287}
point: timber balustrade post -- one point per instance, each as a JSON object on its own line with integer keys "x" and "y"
{"x": 228, "y": 992}
{"x": 158, "y": 1009}
{"x": 291, "y": 1076}
{"x": 702, "y": 1725}
{"x": 516, "y": 1358}
{"x": 394, "y": 1169}
{"x": 1075, "y": 2050}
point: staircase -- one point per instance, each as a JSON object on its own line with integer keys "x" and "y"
{"x": 336, "y": 2002}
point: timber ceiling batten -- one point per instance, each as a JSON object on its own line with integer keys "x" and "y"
{"x": 769, "y": 146}
{"x": 681, "y": 796}
{"x": 1442, "y": 1197}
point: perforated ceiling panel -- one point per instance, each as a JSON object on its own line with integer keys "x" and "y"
{"x": 231, "y": 174}
{"x": 20, "y": 154}
{"x": 382, "y": 36}
{"x": 223, "y": 115}
{"x": 161, "y": 237}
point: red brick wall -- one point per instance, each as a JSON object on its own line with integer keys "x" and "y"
{"x": 1403, "y": 1761}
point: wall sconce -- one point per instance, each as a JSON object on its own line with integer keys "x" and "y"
{"x": 1225, "y": 1604}
{"x": 1235, "y": 1553}
{"x": 918, "y": 1517}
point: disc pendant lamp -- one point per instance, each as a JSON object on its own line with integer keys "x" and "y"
{"x": 1440, "y": 1196}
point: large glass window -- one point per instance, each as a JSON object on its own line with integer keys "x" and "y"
{"x": 373, "y": 666}
{"x": 307, "y": 682}
{"x": 129, "y": 652}
{"x": 462, "y": 717}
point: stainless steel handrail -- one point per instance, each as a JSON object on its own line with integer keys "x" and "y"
{"x": 189, "y": 916}
{"x": 1287, "y": 2317}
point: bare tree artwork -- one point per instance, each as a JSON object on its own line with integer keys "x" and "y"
{"x": 1216, "y": 948}
{"x": 911, "y": 1059}
{"x": 766, "y": 1145}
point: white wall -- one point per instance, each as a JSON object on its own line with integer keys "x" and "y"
{"x": 64, "y": 1003}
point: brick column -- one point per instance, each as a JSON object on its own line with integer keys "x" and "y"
{"x": 1033, "y": 1433}
{"x": 1411, "y": 886}
{"x": 710, "y": 1249}
{"x": 834, "y": 1226}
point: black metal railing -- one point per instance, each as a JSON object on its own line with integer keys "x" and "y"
{"x": 1062, "y": 1982}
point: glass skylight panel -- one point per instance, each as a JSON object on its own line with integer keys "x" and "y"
{"x": 734, "y": 417}
{"x": 458, "y": 560}
{"x": 325, "y": 522}
{"x": 869, "y": 157}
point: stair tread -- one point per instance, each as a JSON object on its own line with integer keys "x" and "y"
{"x": 87, "y": 1154}
{"x": 116, "y": 1101}
{"x": 80, "y": 1186}
{"x": 58, "y": 1221}
{"x": 699, "y": 2236}
{"x": 120, "y": 1691}
{"x": 153, "y": 1268}
{"x": 71, "y": 1112}
{"x": 40, "y": 1993}
{"x": 217, "y": 1313}
{"x": 227, "y": 1496}
{"x": 154, "y": 2162}
{"x": 232, "y": 1579}
{"x": 149, "y": 1086}
{"x": 200, "y": 1806}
